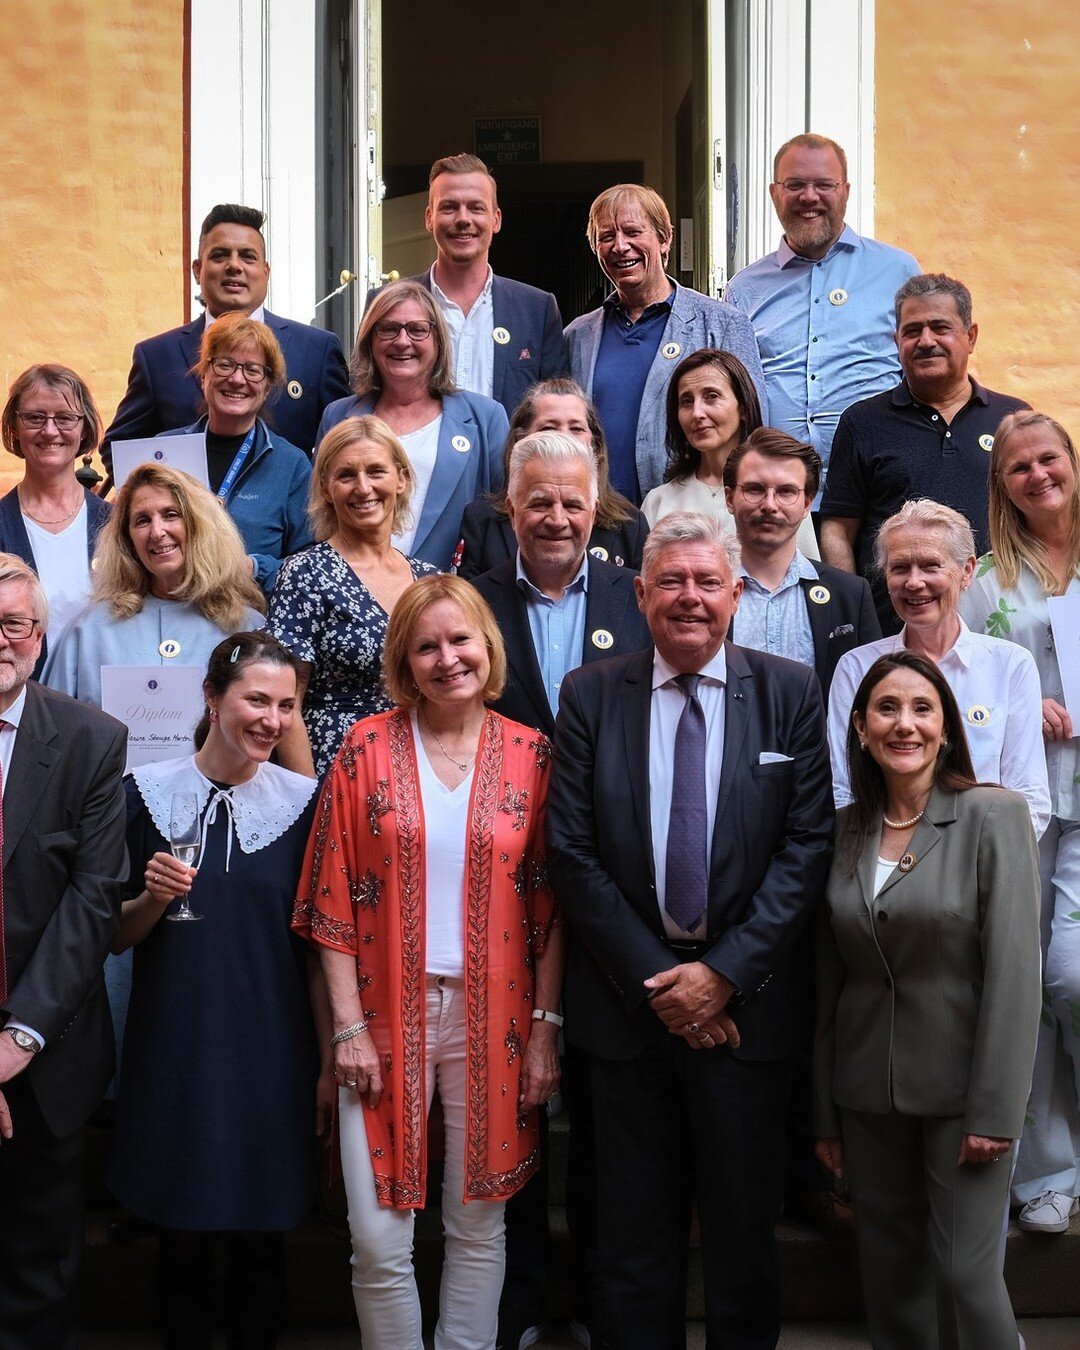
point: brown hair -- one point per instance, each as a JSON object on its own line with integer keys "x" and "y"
{"x": 419, "y": 597}
{"x": 683, "y": 459}
{"x": 775, "y": 444}
{"x": 76, "y": 393}
{"x": 362, "y": 368}
{"x": 463, "y": 163}
{"x": 228, "y": 661}
{"x": 807, "y": 140}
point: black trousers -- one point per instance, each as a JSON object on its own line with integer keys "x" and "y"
{"x": 41, "y": 1229}
{"x": 676, "y": 1126}
{"x": 254, "y": 1301}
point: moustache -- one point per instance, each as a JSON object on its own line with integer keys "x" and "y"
{"x": 929, "y": 351}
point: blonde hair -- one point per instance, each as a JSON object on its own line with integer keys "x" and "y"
{"x": 420, "y": 596}
{"x": 217, "y": 578}
{"x": 1011, "y": 539}
{"x": 612, "y": 199}
{"x": 13, "y": 568}
{"x": 362, "y": 368}
{"x": 233, "y": 329}
{"x": 354, "y": 431}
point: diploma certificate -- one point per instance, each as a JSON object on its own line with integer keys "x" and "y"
{"x": 187, "y": 452}
{"x": 159, "y": 705}
{"x": 1065, "y": 621}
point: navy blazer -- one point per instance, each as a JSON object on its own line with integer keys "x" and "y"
{"x": 488, "y": 540}
{"x": 613, "y": 625}
{"x": 769, "y": 861}
{"x": 162, "y": 394}
{"x": 468, "y": 463}
{"x": 14, "y": 539}
{"x": 842, "y": 616}
{"x": 535, "y": 349}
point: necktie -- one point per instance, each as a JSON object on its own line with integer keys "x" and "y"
{"x": 3, "y": 951}
{"x": 687, "y": 873}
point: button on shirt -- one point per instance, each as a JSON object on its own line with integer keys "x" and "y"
{"x": 8, "y": 731}
{"x": 623, "y": 361}
{"x": 668, "y": 701}
{"x": 777, "y": 621}
{"x": 471, "y": 338}
{"x": 557, "y": 628}
{"x": 820, "y": 356}
{"x": 997, "y": 688}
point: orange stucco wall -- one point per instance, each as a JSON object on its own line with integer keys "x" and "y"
{"x": 91, "y": 185}
{"x": 978, "y": 174}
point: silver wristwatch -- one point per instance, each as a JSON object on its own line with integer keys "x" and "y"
{"x": 23, "y": 1039}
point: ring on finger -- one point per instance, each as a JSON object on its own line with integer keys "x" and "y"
{"x": 692, "y": 1028}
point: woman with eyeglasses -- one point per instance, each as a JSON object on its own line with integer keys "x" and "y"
{"x": 403, "y": 372}
{"x": 260, "y": 477}
{"x": 49, "y": 520}
{"x": 712, "y": 406}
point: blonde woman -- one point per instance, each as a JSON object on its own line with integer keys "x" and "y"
{"x": 333, "y": 602}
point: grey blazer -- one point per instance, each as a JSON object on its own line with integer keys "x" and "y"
{"x": 929, "y": 994}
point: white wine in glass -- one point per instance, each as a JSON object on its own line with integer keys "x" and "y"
{"x": 184, "y": 842}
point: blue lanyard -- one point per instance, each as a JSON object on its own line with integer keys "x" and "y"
{"x": 235, "y": 467}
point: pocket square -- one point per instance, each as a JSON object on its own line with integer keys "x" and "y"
{"x": 774, "y": 757}
{"x": 842, "y": 631}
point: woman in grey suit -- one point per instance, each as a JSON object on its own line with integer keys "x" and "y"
{"x": 928, "y": 1005}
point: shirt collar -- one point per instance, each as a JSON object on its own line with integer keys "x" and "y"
{"x": 533, "y": 592}
{"x": 801, "y": 569}
{"x": 963, "y": 648}
{"x": 903, "y": 397}
{"x": 257, "y": 314}
{"x": 848, "y": 241}
{"x": 659, "y": 306}
{"x": 13, "y": 716}
{"x": 715, "y": 670}
{"x": 444, "y": 299}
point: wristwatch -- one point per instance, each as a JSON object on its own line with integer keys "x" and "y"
{"x": 23, "y": 1039}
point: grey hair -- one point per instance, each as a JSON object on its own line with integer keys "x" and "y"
{"x": 553, "y": 447}
{"x": 13, "y": 568}
{"x": 690, "y": 527}
{"x": 935, "y": 283}
{"x": 925, "y": 514}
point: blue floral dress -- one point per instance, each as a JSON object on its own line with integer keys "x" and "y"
{"x": 326, "y": 616}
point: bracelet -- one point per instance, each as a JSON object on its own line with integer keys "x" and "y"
{"x": 541, "y": 1015}
{"x": 347, "y": 1033}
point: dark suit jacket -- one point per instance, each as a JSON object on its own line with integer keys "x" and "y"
{"x": 842, "y": 616}
{"x": 770, "y": 851}
{"x": 536, "y": 349}
{"x": 487, "y": 540}
{"x": 63, "y": 858}
{"x": 610, "y": 608}
{"x": 162, "y": 395}
{"x": 14, "y": 539}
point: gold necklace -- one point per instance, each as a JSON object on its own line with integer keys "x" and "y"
{"x": 38, "y": 519}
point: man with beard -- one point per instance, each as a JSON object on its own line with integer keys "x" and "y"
{"x": 930, "y": 436}
{"x": 821, "y": 304}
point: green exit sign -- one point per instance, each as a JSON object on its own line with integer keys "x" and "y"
{"x": 507, "y": 140}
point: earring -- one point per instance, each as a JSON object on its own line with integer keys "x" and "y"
{"x": 862, "y": 745}
{"x": 213, "y": 715}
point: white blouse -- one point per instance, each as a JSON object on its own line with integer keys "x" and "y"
{"x": 693, "y": 495}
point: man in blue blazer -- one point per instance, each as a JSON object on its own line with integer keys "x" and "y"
{"x": 506, "y": 335}
{"x": 689, "y": 837}
{"x": 233, "y": 273}
{"x": 623, "y": 353}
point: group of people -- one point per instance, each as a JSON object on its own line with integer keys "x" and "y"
{"x": 605, "y": 815}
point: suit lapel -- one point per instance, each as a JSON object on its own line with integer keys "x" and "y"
{"x": 501, "y": 318}
{"x": 190, "y": 338}
{"x": 940, "y": 810}
{"x": 457, "y": 421}
{"x": 636, "y": 710}
{"x": 33, "y": 761}
{"x": 511, "y": 613}
{"x": 604, "y": 611}
{"x": 656, "y": 383}
{"x": 594, "y": 327}
{"x": 820, "y": 619}
{"x": 739, "y": 695}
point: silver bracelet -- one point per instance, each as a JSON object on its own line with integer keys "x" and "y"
{"x": 347, "y": 1033}
{"x": 542, "y": 1015}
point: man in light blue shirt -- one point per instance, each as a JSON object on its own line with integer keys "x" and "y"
{"x": 821, "y": 305}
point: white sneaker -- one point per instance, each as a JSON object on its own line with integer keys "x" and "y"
{"x": 1049, "y": 1212}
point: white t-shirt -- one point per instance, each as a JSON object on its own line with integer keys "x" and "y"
{"x": 422, "y": 448}
{"x": 63, "y": 568}
{"x": 446, "y": 818}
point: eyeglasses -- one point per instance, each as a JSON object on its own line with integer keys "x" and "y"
{"x": 225, "y": 365}
{"x": 824, "y": 187}
{"x": 61, "y": 421}
{"x": 787, "y": 494}
{"x": 15, "y": 627}
{"x": 417, "y": 329}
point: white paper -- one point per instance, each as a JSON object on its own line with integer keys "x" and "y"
{"x": 1065, "y": 621}
{"x": 187, "y": 452}
{"x": 159, "y": 705}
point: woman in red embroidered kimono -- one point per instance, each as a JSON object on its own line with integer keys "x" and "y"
{"x": 425, "y": 888}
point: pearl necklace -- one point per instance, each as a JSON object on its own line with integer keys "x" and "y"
{"x": 903, "y": 824}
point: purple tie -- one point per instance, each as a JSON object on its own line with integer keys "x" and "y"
{"x": 686, "y": 894}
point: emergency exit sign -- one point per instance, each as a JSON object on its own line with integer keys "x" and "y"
{"x": 507, "y": 140}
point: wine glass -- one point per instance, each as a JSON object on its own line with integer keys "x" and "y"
{"x": 184, "y": 842}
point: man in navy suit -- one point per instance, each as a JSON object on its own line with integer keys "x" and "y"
{"x": 506, "y": 335}
{"x": 689, "y": 837}
{"x": 233, "y": 273}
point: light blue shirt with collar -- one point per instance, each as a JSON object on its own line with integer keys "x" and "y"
{"x": 557, "y": 627}
{"x": 11, "y": 719}
{"x": 777, "y": 621}
{"x": 824, "y": 329}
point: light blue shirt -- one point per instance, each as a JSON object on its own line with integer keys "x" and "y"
{"x": 777, "y": 621}
{"x": 824, "y": 329}
{"x": 557, "y": 627}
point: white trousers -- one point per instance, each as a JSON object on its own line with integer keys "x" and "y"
{"x": 383, "y": 1278}
{"x": 1049, "y": 1157}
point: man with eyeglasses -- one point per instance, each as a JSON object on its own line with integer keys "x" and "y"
{"x": 63, "y": 817}
{"x": 233, "y": 274}
{"x": 821, "y": 304}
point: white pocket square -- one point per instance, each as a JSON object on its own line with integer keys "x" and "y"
{"x": 774, "y": 757}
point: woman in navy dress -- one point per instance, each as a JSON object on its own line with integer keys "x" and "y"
{"x": 220, "y": 1091}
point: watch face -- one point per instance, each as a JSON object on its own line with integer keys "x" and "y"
{"x": 22, "y": 1039}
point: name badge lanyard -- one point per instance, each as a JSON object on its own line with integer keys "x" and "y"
{"x": 234, "y": 468}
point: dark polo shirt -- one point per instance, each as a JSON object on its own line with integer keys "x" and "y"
{"x": 890, "y": 448}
